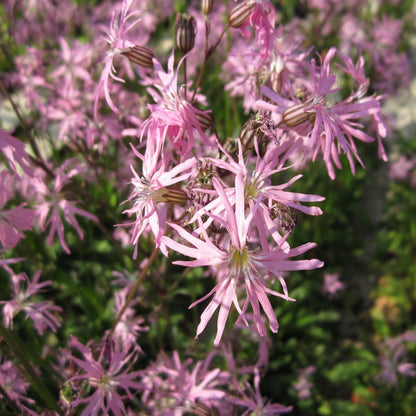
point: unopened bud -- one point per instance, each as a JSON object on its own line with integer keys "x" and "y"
{"x": 206, "y": 6}
{"x": 240, "y": 13}
{"x": 185, "y": 32}
{"x": 247, "y": 135}
{"x": 297, "y": 114}
{"x": 139, "y": 55}
{"x": 204, "y": 119}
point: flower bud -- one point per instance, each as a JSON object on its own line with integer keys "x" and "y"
{"x": 240, "y": 13}
{"x": 297, "y": 114}
{"x": 206, "y": 6}
{"x": 139, "y": 55}
{"x": 185, "y": 32}
{"x": 204, "y": 119}
{"x": 247, "y": 134}
{"x": 170, "y": 195}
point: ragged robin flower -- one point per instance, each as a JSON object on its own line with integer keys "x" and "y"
{"x": 241, "y": 269}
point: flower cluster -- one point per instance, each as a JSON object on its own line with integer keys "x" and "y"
{"x": 117, "y": 134}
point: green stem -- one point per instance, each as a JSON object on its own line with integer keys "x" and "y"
{"x": 133, "y": 290}
{"x": 208, "y": 53}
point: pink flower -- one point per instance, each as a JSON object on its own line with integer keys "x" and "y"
{"x": 53, "y": 204}
{"x": 402, "y": 168}
{"x": 182, "y": 389}
{"x": 262, "y": 20}
{"x": 128, "y": 328}
{"x": 116, "y": 38}
{"x": 154, "y": 190}
{"x": 15, "y": 153}
{"x": 245, "y": 67}
{"x": 252, "y": 400}
{"x": 30, "y": 76}
{"x": 15, "y": 220}
{"x": 14, "y": 384}
{"x": 393, "y": 359}
{"x": 42, "y": 313}
{"x": 330, "y": 129}
{"x": 303, "y": 385}
{"x": 274, "y": 199}
{"x": 238, "y": 266}
{"x": 108, "y": 374}
{"x": 73, "y": 62}
{"x": 173, "y": 115}
{"x": 332, "y": 285}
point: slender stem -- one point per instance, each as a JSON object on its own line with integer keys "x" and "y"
{"x": 133, "y": 290}
{"x": 208, "y": 53}
{"x": 185, "y": 76}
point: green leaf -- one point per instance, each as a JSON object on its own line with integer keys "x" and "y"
{"x": 343, "y": 372}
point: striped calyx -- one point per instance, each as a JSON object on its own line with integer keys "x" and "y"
{"x": 185, "y": 32}
{"x": 297, "y": 114}
{"x": 240, "y": 13}
{"x": 139, "y": 55}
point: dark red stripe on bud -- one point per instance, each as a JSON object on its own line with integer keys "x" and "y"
{"x": 247, "y": 134}
{"x": 240, "y": 13}
{"x": 204, "y": 119}
{"x": 206, "y": 6}
{"x": 171, "y": 196}
{"x": 185, "y": 32}
{"x": 140, "y": 55}
{"x": 297, "y": 114}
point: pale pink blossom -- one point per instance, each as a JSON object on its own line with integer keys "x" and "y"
{"x": 255, "y": 404}
{"x": 15, "y": 220}
{"x": 174, "y": 388}
{"x": 402, "y": 168}
{"x": 154, "y": 190}
{"x": 121, "y": 22}
{"x": 14, "y": 151}
{"x": 73, "y": 62}
{"x": 173, "y": 115}
{"x": 393, "y": 359}
{"x": 108, "y": 374}
{"x": 239, "y": 267}
{"x": 262, "y": 20}
{"x": 273, "y": 199}
{"x": 42, "y": 313}
{"x": 14, "y": 384}
{"x": 130, "y": 325}
{"x": 303, "y": 385}
{"x": 332, "y": 285}
{"x": 53, "y": 204}
{"x": 327, "y": 128}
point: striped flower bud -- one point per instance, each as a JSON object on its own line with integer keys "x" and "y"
{"x": 240, "y": 13}
{"x": 297, "y": 114}
{"x": 139, "y": 55}
{"x": 170, "y": 195}
{"x": 247, "y": 134}
{"x": 185, "y": 32}
{"x": 206, "y": 6}
{"x": 204, "y": 119}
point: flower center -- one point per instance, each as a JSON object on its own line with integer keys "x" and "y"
{"x": 240, "y": 261}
